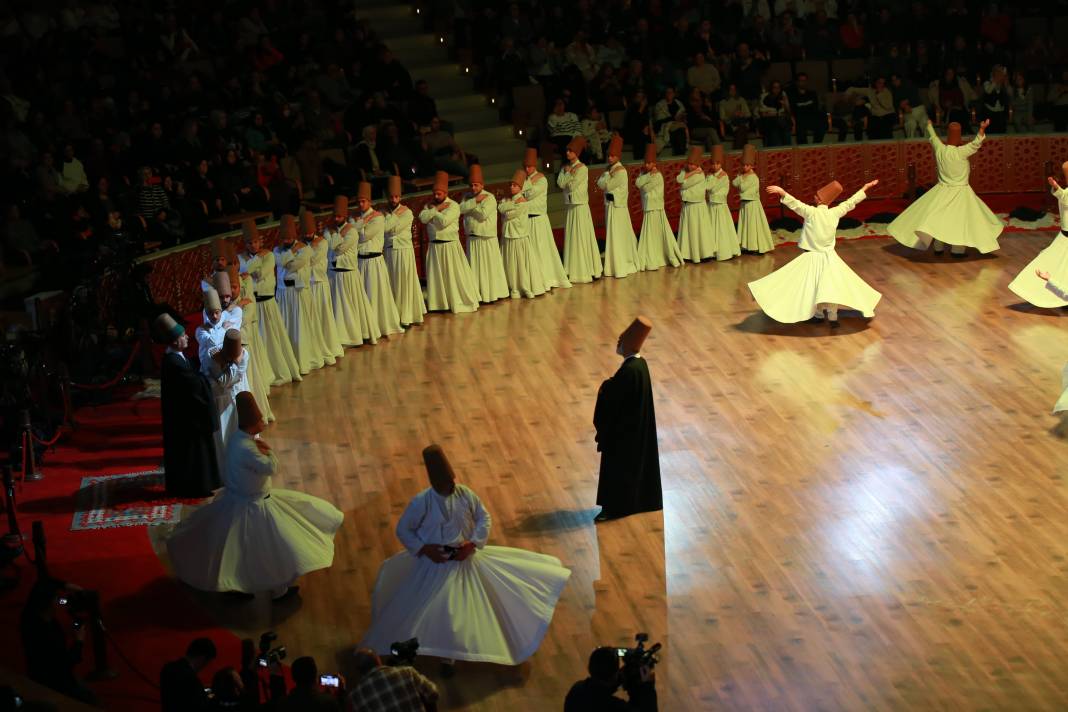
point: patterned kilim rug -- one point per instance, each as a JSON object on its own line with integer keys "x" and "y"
{"x": 133, "y": 500}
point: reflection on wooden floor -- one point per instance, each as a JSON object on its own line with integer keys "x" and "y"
{"x": 873, "y": 518}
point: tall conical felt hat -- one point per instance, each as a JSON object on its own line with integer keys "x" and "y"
{"x": 249, "y": 231}
{"x": 953, "y": 134}
{"x": 717, "y": 154}
{"x": 363, "y": 190}
{"x": 221, "y": 281}
{"x": 615, "y": 146}
{"x": 749, "y": 154}
{"x": 695, "y": 155}
{"x": 829, "y": 193}
{"x": 341, "y": 206}
{"x": 530, "y": 157}
{"x": 441, "y": 181}
{"x": 634, "y": 335}
{"x": 519, "y": 177}
{"x": 577, "y": 145}
{"x": 235, "y": 280}
{"x": 248, "y": 411}
{"x": 650, "y": 152}
{"x": 231, "y": 347}
{"x": 475, "y": 175}
{"x": 308, "y": 223}
{"x": 166, "y": 329}
{"x": 211, "y": 299}
{"x": 287, "y": 228}
{"x": 437, "y": 465}
{"x": 221, "y": 247}
{"x": 1064, "y": 169}
{"x": 393, "y": 185}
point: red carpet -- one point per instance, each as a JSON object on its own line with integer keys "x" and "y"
{"x": 149, "y": 615}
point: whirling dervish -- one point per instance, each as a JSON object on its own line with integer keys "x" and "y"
{"x": 816, "y": 282}
{"x": 950, "y": 213}
{"x": 1052, "y": 261}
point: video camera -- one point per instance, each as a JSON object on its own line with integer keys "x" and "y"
{"x": 404, "y": 652}
{"x": 269, "y": 655}
{"x": 639, "y": 657}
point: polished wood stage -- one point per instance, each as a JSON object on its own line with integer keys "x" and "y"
{"x": 868, "y": 518}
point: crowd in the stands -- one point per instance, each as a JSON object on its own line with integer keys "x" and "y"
{"x": 131, "y": 126}
{"x": 702, "y": 72}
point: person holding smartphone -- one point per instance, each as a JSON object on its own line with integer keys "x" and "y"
{"x": 50, "y": 655}
{"x": 312, "y": 691}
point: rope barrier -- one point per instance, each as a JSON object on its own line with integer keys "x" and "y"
{"x": 122, "y": 373}
{"x": 55, "y": 438}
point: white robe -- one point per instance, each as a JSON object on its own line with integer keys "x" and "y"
{"x": 259, "y": 369}
{"x": 226, "y": 381}
{"x": 294, "y": 301}
{"x": 450, "y": 285}
{"x": 1053, "y": 259}
{"x": 282, "y": 361}
{"x": 950, "y": 212}
{"x": 483, "y": 248}
{"x": 754, "y": 233}
{"x": 582, "y": 256}
{"x": 620, "y": 245}
{"x": 251, "y": 538}
{"x": 535, "y": 190}
{"x": 322, "y": 304}
{"x": 725, "y": 240}
{"x": 1060, "y": 290}
{"x": 522, "y": 266}
{"x": 656, "y": 244}
{"x": 403, "y": 272}
{"x": 372, "y": 262}
{"x": 493, "y": 607}
{"x": 818, "y": 276}
{"x": 695, "y": 231}
{"x": 356, "y": 320}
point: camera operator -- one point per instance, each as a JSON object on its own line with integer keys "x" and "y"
{"x": 309, "y": 693}
{"x": 228, "y": 691}
{"x": 50, "y": 658}
{"x": 180, "y": 687}
{"x": 596, "y": 692}
{"x": 390, "y": 689}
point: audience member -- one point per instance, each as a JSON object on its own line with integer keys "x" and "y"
{"x": 180, "y": 687}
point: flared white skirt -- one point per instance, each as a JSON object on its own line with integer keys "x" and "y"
{"x": 356, "y": 321}
{"x": 544, "y": 244}
{"x": 1029, "y": 287}
{"x": 450, "y": 285}
{"x": 791, "y": 293}
{"x": 522, "y": 268}
{"x": 954, "y": 215}
{"x": 404, "y": 280}
{"x": 695, "y": 233}
{"x": 380, "y": 294}
{"x": 582, "y": 256}
{"x": 656, "y": 244}
{"x": 484, "y": 256}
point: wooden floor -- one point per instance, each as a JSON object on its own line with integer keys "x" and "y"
{"x": 868, "y": 519}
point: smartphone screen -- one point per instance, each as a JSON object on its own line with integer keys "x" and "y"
{"x": 328, "y": 680}
{"x": 622, "y": 652}
{"x": 263, "y": 662}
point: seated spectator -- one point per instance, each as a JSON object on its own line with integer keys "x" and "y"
{"x": 563, "y": 126}
{"x": 580, "y": 54}
{"x": 1058, "y": 98}
{"x": 422, "y": 107}
{"x": 606, "y": 90}
{"x": 282, "y": 194}
{"x": 951, "y": 95}
{"x": 151, "y": 198}
{"x": 669, "y": 123}
{"x": 444, "y": 152}
{"x": 236, "y": 182}
{"x": 747, "y": 71}
{"x": 996, "y": 100}
{"x": 176, "y": 44}
{"x": 851, "y": 36}
{"x": 596, "y": 132}
{"x": 258, "y": 135}
{"x": 365, "y": 155}
{"x": 265, "y": 56}
{"x": 808, "y": 113}
{"x": 883, "y": 111}
{"x": 201, "y": 188}
{"x": 637, "y": 124}
{"x": 72, "y": 178}
{"x": 392, "y": 150}
{"x": 735, "y": 116}
{"x": 180, "y": 687}
{"x": 702, "y": 119}
{"x": 773, "y": 116}
{"x": 378, "y": 687}
{"x": 50, "y": 659}
{"x": 333, "y": 85}
{"x": 48, "y": 178}
{"x": 390, "y": 76}
{"x": 1023, "y": 104}
{"x": 307, "y": 694}
{"x": 21, "y": 239}
{"x": 611, "y": 53}
{"x": 787, "y": 38}
{"x": 911, "y": 109}
{"x": 317, "y": 119}
{"x": 702, "y": 75}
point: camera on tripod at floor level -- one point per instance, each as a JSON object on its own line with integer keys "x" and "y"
{"x": 404, "y": 652}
